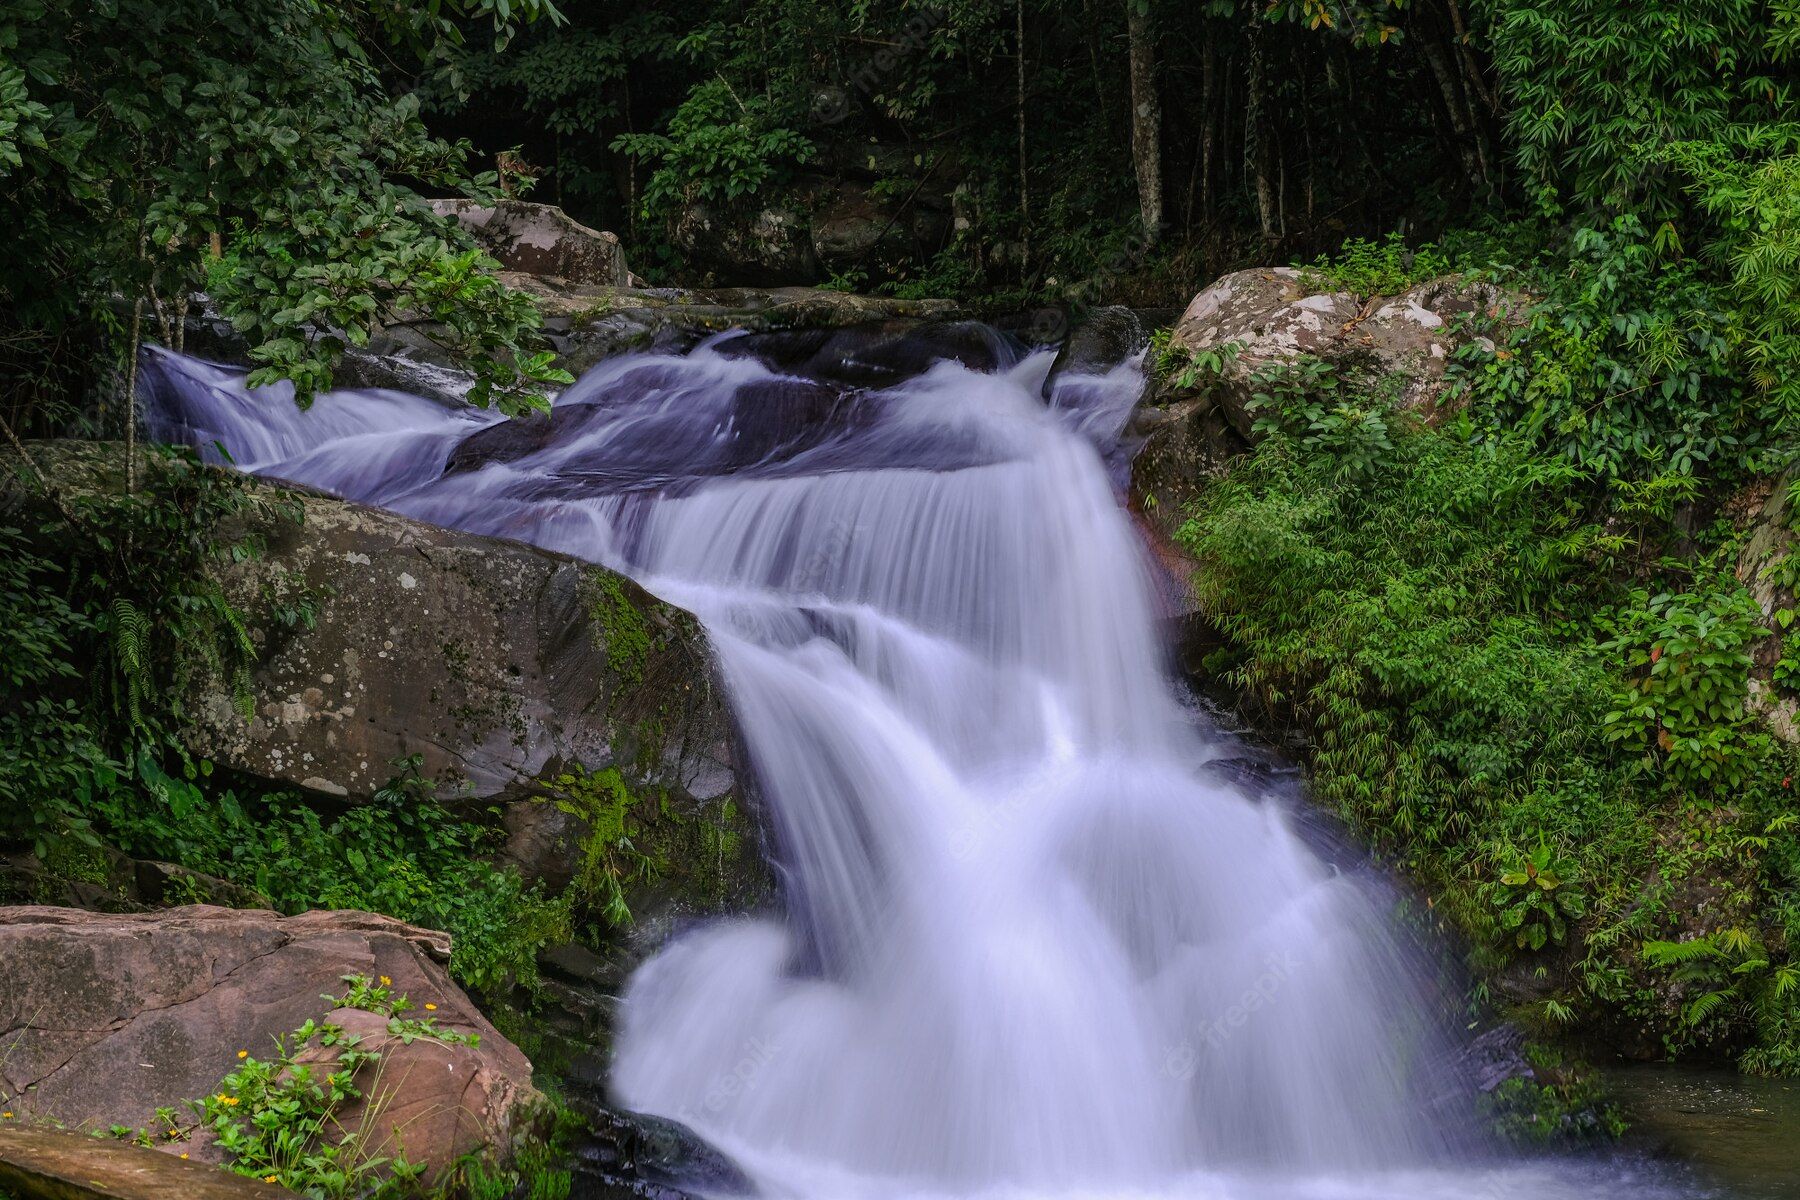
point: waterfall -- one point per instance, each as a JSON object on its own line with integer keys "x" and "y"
{"x": 1034, "y": 940}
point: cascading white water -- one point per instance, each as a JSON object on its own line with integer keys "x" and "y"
{"x": 1034, "y": 942}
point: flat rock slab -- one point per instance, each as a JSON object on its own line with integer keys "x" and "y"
{"x": 48, "y": 1164}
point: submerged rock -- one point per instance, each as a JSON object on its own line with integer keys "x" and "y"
{"x": 109, "y": 1017}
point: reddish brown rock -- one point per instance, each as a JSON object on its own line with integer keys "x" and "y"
{"x": 107, "y": 1017}
{"x": 55, "y": 1165}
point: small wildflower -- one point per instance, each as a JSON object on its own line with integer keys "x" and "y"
{"x": 386, "y": 982}
{"x": 431, "y": 1008}
{"x": 268, "y": 1179}
{"x": 243, "y": 1054}
{"x": 184, "y": 1154}
{"x": 6, "y": 1115}
{"x": 173, "y": 1134}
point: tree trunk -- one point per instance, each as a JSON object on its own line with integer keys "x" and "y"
{"x": 1024, "y": 181}
{"x": 1146, "y": 117}
{"x": 1468, "y": 138}
{"x": 1256, "y": 141}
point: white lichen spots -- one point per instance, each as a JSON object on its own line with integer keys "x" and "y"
{"x": 328, "y": 677}
{"x": 1421, "y": 315}
{"x": 318, "y": 784}
{"x": 1325, "y": 302}
{"x": 361, "y": 560}
{"x": 1437, "y": 350}
{"x": 407, "y": 581}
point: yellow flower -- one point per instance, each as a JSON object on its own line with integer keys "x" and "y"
{"x": 243, "y": 1054}
{"x": 7, "y": 1115}
{"x": 184, "y": 1156}
{"x": 431, "y": 1008}
{"x": 268, "y": 1179}
{"x": 386, "y": 982}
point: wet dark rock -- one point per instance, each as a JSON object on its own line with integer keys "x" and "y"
{"x": 875, "y": 354}
{"x": 640, "y": 1155}
{"x": 1495, "y": 1056}
{"x": 1106, "y": 338}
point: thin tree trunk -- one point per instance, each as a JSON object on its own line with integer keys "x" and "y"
{"x": 1256, "y": 144}
{"x": 1462, "y": 123}
{"x": 1024, "y": 181}
{"x": 1210, "y": 122}
{"x": 131, "y": 371}
{"x": 1146, "y": 117}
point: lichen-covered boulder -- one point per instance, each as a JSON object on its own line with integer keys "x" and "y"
{"x": 108, "y": 1017}
{"x": 1249, "y": 320}
{"x": 1273, "y": 315}
{"x": 541, "y": 239}
{"x": 496, "y": 663}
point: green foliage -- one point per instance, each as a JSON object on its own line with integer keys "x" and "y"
{"x": 1554, "y": 1105}
{"x": 1734, "y": 979}
{"x": 1536, "y": 898}
{"x": 1624, "y": 365}
{"x": 137, "y": 131}
{"x": 110, "y": 611}
{"x": 1374, "y": 269}
{"x": 1753, "y": 193}
{"x": 1306, "y": 403}
{"x": 1686, "y": 658}
{"x": 282, "y": 1119}
{"x": 1590, "y": 86}
{"x": 403, "y": 855}
{"x": 1561, "y": 760}
{"x": 610, "y": 859}
{"x": 718, "y": 147}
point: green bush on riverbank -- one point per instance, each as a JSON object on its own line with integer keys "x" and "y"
{"x": 1521, "y": 653}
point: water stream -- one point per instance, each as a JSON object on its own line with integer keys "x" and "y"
{"x": 1033, "y": 942}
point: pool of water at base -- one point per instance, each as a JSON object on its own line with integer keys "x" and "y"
{"x": 1740, "y": 1134}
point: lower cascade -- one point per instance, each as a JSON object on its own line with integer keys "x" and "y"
{"x": 1036, "y": 938}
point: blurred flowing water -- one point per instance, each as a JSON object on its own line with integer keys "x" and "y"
{"x": 1033, "y": 942}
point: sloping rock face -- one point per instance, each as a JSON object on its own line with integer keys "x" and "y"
{"x": 541, "y": 239}
{"x": 51, "y": 1164}
{"x": 495, "y": 662}
{"x": 108, "y": 1017}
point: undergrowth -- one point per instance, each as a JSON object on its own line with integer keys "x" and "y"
{"x": 1515, "y": 690}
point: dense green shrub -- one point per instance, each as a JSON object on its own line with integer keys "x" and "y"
{"x": 1558, "y": 756}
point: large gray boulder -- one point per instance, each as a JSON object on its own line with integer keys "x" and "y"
{"x": 108, "y": 1017}
{"x": 1273, "y": 315}
{"x": 496, "y": 663}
